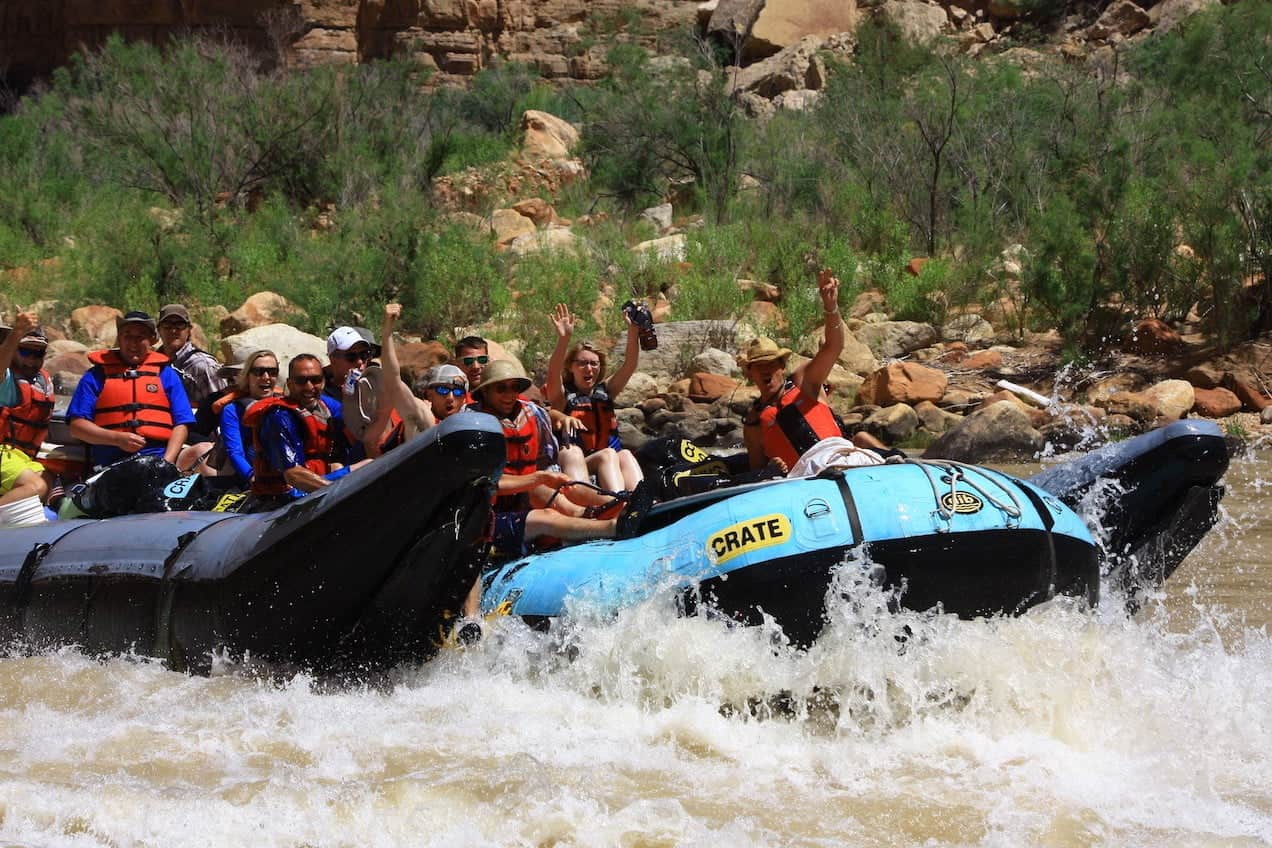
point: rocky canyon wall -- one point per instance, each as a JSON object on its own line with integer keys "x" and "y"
{"x": 458, "y": 37}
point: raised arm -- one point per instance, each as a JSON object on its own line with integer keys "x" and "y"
{"x": 564, "y": 323}
{"x": 818, "y": 369}
{"x": 631, "y": 358}
{"x": 393, "y": 393}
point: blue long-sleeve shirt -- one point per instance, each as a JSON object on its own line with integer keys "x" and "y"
{"x": 237, "y": 443}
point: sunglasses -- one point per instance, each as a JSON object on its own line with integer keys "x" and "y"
{"x": 316, "y": 380}
{"x": 173, "y": 325}
{"x": 261, "y": 371}
{"x": 475, "y": 360}
{"x": 505, "y": 388}
{"x": 355, "y": 356}
{"x": 444, "y": 391}
{"x": 34, "y": 354}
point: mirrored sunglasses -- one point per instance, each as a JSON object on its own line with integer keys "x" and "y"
{"x": 34, "y": 353}
{"x": 445, "y": 391}
{"x": 475, "y": 360}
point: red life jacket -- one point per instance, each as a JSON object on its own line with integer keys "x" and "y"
{"x": 25, "y": 425}
{"x": 793, "y": 423}
{"x": 133, "y": 399}
{"x": 596, "y": 410}
{"x": 316, "y": 428}
{"x": 225, "y": 400}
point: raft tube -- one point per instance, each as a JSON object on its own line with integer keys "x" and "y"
{"x": 360, "y": 575}
{"x": 970, "y": 540}
{"x": 1150, "y": 499}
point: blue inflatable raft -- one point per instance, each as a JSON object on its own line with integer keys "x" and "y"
{"x": 967, "y": 539}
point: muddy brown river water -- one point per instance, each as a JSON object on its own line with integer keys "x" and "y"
{"x": 1060, "y": 728}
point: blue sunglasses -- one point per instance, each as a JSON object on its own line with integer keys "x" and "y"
{"x": 457, "y": 391}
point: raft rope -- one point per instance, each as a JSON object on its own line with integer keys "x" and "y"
{"x": 958, "y": 471}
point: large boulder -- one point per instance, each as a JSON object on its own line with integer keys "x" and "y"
{"x": 509, "y": 224}
{"x": 998, "y": 432}
{"x": 894, "y": 423}
{"x": 1122, "y": 18}
{"x": 95, "y": 323}
{"x": 708, "y": 387}
{"x": 731, "y": 20}
{"x": 551, "y": 240}
{"x": 1152, "y": 336}
{"x": 1173, "y": 398}
{"x": 934, "y": 419}
{"x": 1216, "y": 403}
{"x": 715, "y": 361}
{"x": 970, "y": 329}
{"x": 1168, "y": 14}
{"x": 637, "y": 390}
{"x": 260, "y": 310}
{"x": 547, "y": 136}
{"x": 680, "y": 341}
{"x": 795, "y": 68}
{"x": 903, "y": 382}
{"x": 920, "y": 23}
{"x": 893, "y": 339}
{"x": 667, "y": 249}
{"x": 417, "y": 357}
{"x": 283, "y": 339}
{"x": 782, "y": 23}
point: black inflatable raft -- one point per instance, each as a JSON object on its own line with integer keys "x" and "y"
{"x": 360, "y": 575}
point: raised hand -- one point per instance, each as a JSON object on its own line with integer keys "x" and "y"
{"x": 563, "y": 321}
{"x": 828, "y": 290}
{"x": 25, "y": 322}
{"x": 392, "y": 311}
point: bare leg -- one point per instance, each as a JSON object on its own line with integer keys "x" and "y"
{"x": 547, "y": 522}
{"x": 28, "y": 484}
{"x": 604, "y": 464}
{"x": 574, "y": 463}
{"x": 863, "y": 439}
{"x": 630, "y": 469}
{"x": 191, "y": 459}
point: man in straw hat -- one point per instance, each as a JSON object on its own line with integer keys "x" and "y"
{"x": 530, "y": 504}
{"x": 26, "y": 404}
{"x": 791, "y": 415}
{"x": 131, "y": 401}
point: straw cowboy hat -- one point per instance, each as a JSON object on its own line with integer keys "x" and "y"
{"x": 762, "y": 349}
{"x": 501, "y": 370}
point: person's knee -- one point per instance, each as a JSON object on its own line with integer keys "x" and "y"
{"x": 33, "y": 484}
{"x": 572, "y": 453}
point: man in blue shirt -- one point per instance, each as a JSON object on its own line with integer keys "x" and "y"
{"x": 131, "y": 401}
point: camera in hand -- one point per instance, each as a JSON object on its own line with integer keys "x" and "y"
{"x": 643, "y": 319}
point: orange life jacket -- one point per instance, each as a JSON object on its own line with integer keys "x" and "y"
{"x": 317, "y": 433}
{"x": 133, "y": 399}
{"x": 25, "y": 425}
{"x": 596, "y": 410}
{"x": 793, "y": 423}
{"x": 225, "y": 400}
{"x": 523, "y": 444}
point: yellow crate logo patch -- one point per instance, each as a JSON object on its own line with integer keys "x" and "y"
{"x": 749, "y": 535}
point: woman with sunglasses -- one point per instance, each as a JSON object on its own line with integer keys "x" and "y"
{"x": 257, "y": 380}
{"x": 576, "y": 387}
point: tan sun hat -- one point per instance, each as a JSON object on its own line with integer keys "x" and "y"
{"x": 762, "y": 349}
{"x": 501, "y": 370}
